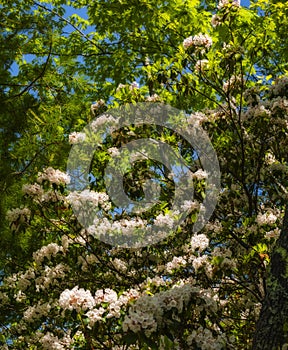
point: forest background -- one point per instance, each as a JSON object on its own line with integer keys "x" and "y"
{"x": 224, "y": 65}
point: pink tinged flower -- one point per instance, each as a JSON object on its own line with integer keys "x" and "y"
{"x": 200, "y": 174}
{"x": 113, "y": 151}
{"x": 226, "y": 3}
{"x": 200, "y": 40}
{"x": 18, "y": 214}
{"x": 110, "y": 296}
{"x": 76, "y": 299}
{"x": 153, "y": 98}
{"x": 34, "y": 190}
{"x": 53, "y": 176}
{"x": 200, "y": 242}
{"x": 266, "y": 219}
{"x": 95, "y": 315}
{"x": 76, "y": 137}
{"x": 188, "y": 42}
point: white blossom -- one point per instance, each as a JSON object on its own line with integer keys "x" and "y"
{"x": 225, "y": 3}
{"x": 273, "y": 233}
{"x": 52, "y": 342}
{"x": 18, "y": 214}
{"x": 113, "y": 151}
{"x": 103, "y": 120}
{"x": 46, "y": 252}
{"x": 76, "y": 137}
{"x": 267, "y": 218}
{"x": 33, "y": 190}
{"x": 199, "y": 241}
{"x": 76, "y": 299}
{"x": 164, "y": 220}
{"x": 153, "y": 98}
{"x": 121, "y": 86}
{"x": 86, "y": 197}
{"x": 197, "y": 118}
{"x": 54, "y": 176}
{"x": 200, "y": 40}
{"x": 200, "y": 174}
{"x": 175, "y": 263}
{"x": 95, "y": 315}
{"x": 189, "y": 205}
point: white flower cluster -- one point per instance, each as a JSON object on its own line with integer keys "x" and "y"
{"x": 148, "y": 312}
{"x": 175, "y": 263}
{"x": 54, "y": 176}
{"x": 24, "y": 279}
{"x": 197, "y": 118}
{"x": 113, "y": 151}
{"x": 76, "y": 299}
{"x": 76, "y": 137}
{"x": 202, "y": 262}
{"x": 200, "y": 174}
{"x": 121, "y": 86}
{"x": 217, "y": 19}
{"x": 106, "y": 296}
{"x": 18, "y": 214}
{"x": 153, "y": 98}
{"x": 200, "y": 40}
{"x": 267, "y": 218}
{"x": 87, "y": 197}
{"x": 199, "y": 241}
{"x": 46, "y": 252}
{"x": 52, "y": 342}
{"x": 189, "y": 205}
{"x": 204, "y": 339}
{"x": 280, "y": 87}
{"x": 258, "y": 111}
{"x": 33, "y": 190}
{"x": 119, "y": 264}
{"x": 164, "y": 220}
{"x": 273, "y": 233}
{"x": 126, "y": 227}
{"x": 97, "y": 106}
{"x": 279, "y": 103}
{"x": 132, "y": 86}
{"x": 225, "y": 3}
{"x": 37, "y": 193}
{"x": 50, "y": 276}
{"x": 110, "y": 304}
{"x": 103, "y": 120}
{"x": 37, "y": 311}
{"x": 4, "y": 298}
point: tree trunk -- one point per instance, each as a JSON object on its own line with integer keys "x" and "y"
{"x": 272, "y": 326}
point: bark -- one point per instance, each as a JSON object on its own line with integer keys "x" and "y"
{"x": 272, "y": 327}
